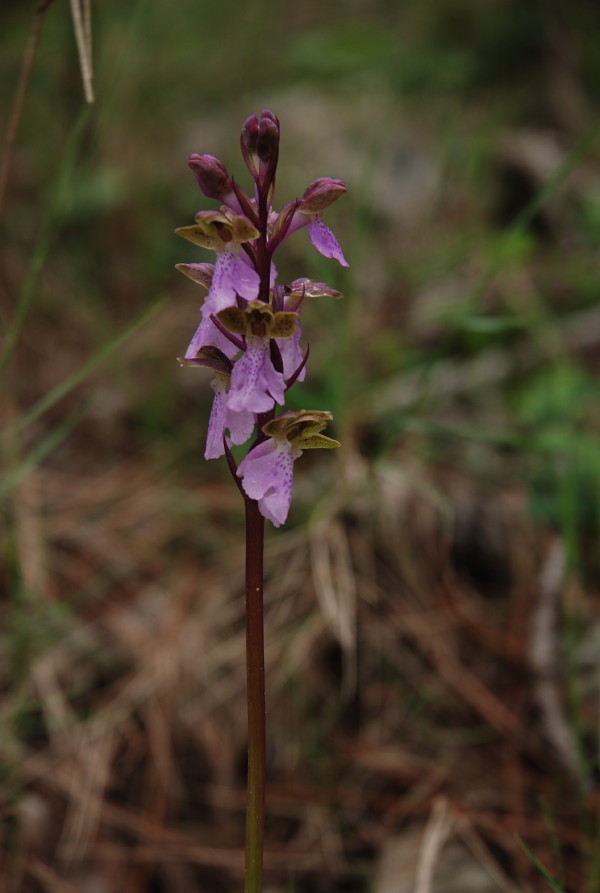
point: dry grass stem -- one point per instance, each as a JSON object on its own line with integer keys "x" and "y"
{"x": 81, "y": 14}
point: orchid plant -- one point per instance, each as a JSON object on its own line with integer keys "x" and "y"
{"x": 249, "y": 336}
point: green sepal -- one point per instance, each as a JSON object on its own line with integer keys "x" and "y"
{"x": 302, "y": 428}
{"x": 234, "y": 320}
{"x": 215, "y": 229}
{"x": 226, "y": 225}
{"x": 243, "y": 230}
{"x": 316, "y": 442}
{"x": 284, "y": 324}
{"x": 258, "y": 319}
{"x": 197, "y": 235}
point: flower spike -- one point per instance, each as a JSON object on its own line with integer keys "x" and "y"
{"x": 250, "y": 330}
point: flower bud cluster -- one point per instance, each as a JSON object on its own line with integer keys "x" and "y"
{"x": 250, "y": 326}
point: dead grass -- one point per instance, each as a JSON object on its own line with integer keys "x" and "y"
{"x": 396, "y": 676}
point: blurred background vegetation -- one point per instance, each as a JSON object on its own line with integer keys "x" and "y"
{"x": 433, "y": 611}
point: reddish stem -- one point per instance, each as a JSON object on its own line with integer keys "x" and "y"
{"x": 255, "y": 669}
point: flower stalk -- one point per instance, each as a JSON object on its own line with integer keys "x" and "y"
{"x": 255, "y": 675}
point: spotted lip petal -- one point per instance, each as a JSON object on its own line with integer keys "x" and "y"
{"x": 324, "y": 241}
{"x": 319, "y": 233}
{"x": 233, "y": 273}
{"x": 255, "y": 384}
{"x": 267, "y": 475}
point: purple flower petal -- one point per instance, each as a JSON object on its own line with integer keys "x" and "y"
{"x": 291, "y": 354}
{"x": 274, "y": 381}
{"x": 207, "y": 333}
{"x": 216, "y": 426}
{"x": 266, "y": 449}
{"x": 273, "y": 275}
{"x": 255, "y": 384}
{"x": 240, "y": 424}
{"x": 267, "y": 476}
{"x": 324, "y": 241}
{"x": 233, "y": 273}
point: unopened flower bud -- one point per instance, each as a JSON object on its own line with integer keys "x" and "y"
{"x": 267, "y": 147}
{"x": 320, "y": 194}
{"x": 212, "y": 176}
{"x": 268, "y": 151}
{"x": 249, "y": 142}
